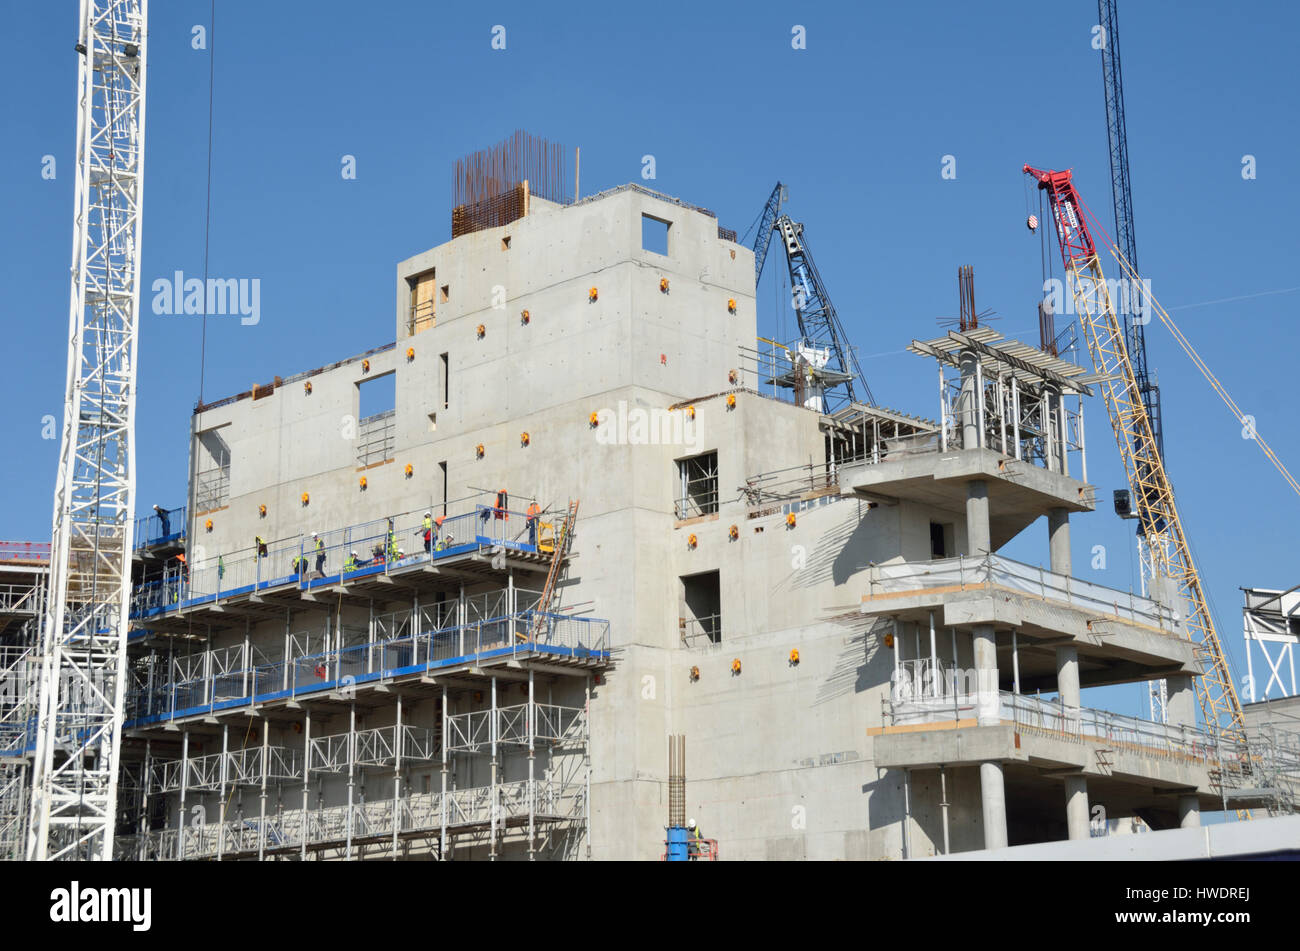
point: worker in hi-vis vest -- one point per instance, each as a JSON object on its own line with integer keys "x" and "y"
{"x": 534, "y": 510}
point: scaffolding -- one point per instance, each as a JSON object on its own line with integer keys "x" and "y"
{"x": 547, "y": 812}
{"x": 240, "y": 753}
{"x": 1009, "y": 397}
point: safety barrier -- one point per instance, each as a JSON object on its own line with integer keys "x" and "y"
{"x": 991, "y": 571}
{"x": 36, "y": 552}
{"x": 377, "y": 547}
{"x": 1050, "y": 718}
{"x": 211, "y": 680}
{"x": 157, "y": 529}
{"x": 474, "y": 808}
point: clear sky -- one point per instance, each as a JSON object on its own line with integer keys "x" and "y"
{"x": 858, "y": 125}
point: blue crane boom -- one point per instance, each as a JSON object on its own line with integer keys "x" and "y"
{"x": 1135, "y": 336}
{"x": 767, "y": 222}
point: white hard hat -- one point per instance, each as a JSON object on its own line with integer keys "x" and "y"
{"x": 354, "y": 552}
{"x": 400, "y": 552}
{"x": 427, "y": 515}
{"x": 690, "y": 823}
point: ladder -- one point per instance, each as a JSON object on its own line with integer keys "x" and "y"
{"x": 561, "y": 551}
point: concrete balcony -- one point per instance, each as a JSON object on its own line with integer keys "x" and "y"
{"x": 1018, "y": 492}
{"x": 1120, "y": 636}
{"x": 1134, "y": 766}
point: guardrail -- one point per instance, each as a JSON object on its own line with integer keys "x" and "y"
{"x": 992, "y": 571}
{"x": 158, "y": 529}
{"x": 25, "y": 551}
{"x": 24, "y": 599}
{"x": 211, "y": 680}
{"x": 474, "y": 807}
{"x": 379, "y": 546}
{"x": 1052, "y": 718}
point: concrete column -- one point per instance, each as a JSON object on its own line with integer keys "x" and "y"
{"x": 1189, "y": 812}
{"x": 1076, "y": 806}
{"x": 986, "y": 673}
{"x": 1182, "y": 700}
{"x": 1067, "y": 675}
{"x": 993, "y": 799}
{"x": 968, "y": 401}
{"x": 1058, "y": 535}
{"x": 977, "y": 518}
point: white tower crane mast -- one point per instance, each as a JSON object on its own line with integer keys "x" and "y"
{"x": 83, "y": 638}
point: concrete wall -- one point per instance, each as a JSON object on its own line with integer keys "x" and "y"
{"x": 779, "y": 763}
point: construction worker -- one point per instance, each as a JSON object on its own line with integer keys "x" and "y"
{"x": 445, "y": 541}
{"x": 426, "y": 529}
{"x": 320, "y": 554}
{"x": 391, "y": 547}
{"x": 221, "y": 567}
{"x": 261, "y": 546}
{"x": 351, "y": 563}
{"x": 534, "y": 510}
{"x": 695, "y": 840}
{"x": 299, "y": 565}
{"x": 499, "y": 510}
{"x": 164, "y": 518}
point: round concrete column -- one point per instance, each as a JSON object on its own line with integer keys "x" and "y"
{"x": 1189, "y": 812}
{"x": 986, "y": 674}
{"x": 1058, "y": 535}
{"x": 977, "y": 518}
{"x": 968, "y": 401}
{"x": 1067, "y": 675}
{"x": 1076, "y": 806}
{"x": 993, "y": 799}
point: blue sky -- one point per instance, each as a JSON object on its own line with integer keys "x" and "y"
{"x": 857, "y": 124}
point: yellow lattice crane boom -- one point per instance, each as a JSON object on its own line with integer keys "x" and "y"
{"x": 1171, "y": 558}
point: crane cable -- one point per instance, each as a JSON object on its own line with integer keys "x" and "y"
{"x": 1140, "y": 288}
{"x": 207, "y": 212}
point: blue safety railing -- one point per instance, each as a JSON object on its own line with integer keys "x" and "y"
{"x": 346, "y": 667}
{"x": 155, "y": 529}
{"x": 377, "y": 547}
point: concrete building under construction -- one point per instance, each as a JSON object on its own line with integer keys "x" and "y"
{"x": 449, "y": 598}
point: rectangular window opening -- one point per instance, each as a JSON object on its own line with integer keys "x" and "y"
{"x": 445, "y": 293}
{"x": 433, "y": 422}
{"x": 505, "y": 243}
{"x": 697, "y": 485}
{"x": 212, "y": 475}
{"x": 421, "y": 313}
{"x": 377, "y": 417}
{"x": 936, "y": 540}
{"x": 701, "y": 615}
{"x": 445, "y": 361}
{"x": 654, "y": 234}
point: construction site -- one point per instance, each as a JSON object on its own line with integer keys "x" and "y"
{"x": 578, "y": 563}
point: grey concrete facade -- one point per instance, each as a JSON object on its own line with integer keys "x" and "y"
{"x": 626, "y": 364}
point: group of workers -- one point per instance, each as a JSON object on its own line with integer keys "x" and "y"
{"x": 430, "y": 531}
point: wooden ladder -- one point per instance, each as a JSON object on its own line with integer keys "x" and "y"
{"x": 562, "y": 545}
